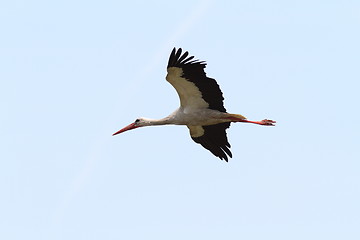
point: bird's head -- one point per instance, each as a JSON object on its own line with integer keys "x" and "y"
{"x": 139, "y": 122}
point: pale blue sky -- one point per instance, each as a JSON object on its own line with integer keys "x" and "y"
{"x": 74, "y": 72}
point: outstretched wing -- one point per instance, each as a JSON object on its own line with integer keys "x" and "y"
{"x": 213, "y": 138}
{"x": 194, "y": 88}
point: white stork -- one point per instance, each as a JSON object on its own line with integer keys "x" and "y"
{"x": 201, "y": 106}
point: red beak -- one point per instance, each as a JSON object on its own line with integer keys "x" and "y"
{"x": 129, "y": 127}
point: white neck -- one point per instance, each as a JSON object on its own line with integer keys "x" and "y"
{"x": 155, "y": 122}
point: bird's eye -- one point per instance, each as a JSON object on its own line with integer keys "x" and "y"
{"x": 137, "y": 120}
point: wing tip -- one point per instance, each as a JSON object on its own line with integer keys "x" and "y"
{"x": 222, "y": 152}
{"x": 179, "y": 59}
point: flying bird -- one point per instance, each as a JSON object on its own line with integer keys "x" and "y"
{"x": 201, "y": 106}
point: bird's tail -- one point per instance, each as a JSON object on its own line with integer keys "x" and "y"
{"x": 236, "y": 117}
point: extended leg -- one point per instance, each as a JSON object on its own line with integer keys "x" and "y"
{"x": 265, "y": 122}
{"x": 239, "y": 118}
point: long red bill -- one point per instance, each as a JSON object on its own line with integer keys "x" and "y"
{"x": 129, "y": 127}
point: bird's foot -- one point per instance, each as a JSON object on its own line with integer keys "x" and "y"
{"x": 267, "y": 122}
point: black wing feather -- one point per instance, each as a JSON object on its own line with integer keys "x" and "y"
{"x": 193, "y": 71}
{"x": 183, "y": 57}
{"x": 215, "y": 140}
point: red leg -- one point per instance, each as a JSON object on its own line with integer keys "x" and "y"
{"x": 265, "y": 122}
